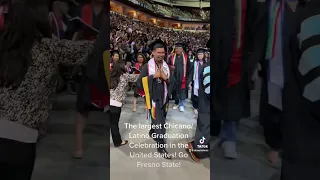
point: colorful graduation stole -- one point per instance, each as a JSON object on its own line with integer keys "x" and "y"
{"x": 196, "y": 69}
{"x": 87, "y": 16}
{"x": 152, "y": 68}
{"x": 240, "y": 4}
{"x": 275, "y": 10}
{"x": 192, "y": 59}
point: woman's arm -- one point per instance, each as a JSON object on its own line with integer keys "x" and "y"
{"x": 132, "y": 77}
{"x": 71, "y": 52}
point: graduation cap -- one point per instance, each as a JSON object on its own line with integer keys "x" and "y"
{"x": 179, "y": 44}
{"x": 201, "y": 50}
{"x": 158, "y": 44}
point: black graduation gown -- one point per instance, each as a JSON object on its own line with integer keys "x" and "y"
{"x": 222, "y": 41}
{"x": 270, "y": 117}
{"x": 191, "y": 74}
{"x": 178, "y": 75}
{"x": 203, "y": 121}
{"x": 156, "y": 92}
{"x": 94, "y": 69}
{"x": 301, "y": 132}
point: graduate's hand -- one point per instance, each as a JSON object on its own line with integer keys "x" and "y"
{"x": 157, "y": 74}
{"x": 163, "y": 76}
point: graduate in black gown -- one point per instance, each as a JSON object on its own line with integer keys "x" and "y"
{"x": 191, "y": 56}
{"x": 199, "y": 148}
{"x": 301, "y": 97}
{"x": 155, "y": 80}
{"x": 194, "y": 77}
{"x": 232, "y": 42}
{"x": 179, "y": 64}
{"x": 96, "y": 72}
{"x": 272, "y": 41}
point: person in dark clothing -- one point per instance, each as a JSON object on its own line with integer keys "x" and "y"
{"x": 179, "y": 64}
{"x": 272, "y": 71}
{"x": 28, "y": 65}
{"x": 232, "y": 42}
{"x": 155, "y": 80}
{"x": 199, "y": 148}
{"x": 93, "y": 92}
{"x": 301, "y": 97}
{"x": 142, "y": 60}
{"x": 59, "y": 18}
{"x": 92, "y": 13}
{"x": 191, "y": 56}
{"x": 194, "y": 78}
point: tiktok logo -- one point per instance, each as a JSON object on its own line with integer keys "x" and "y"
{"x": 202, "y": 140}
{"x": 201, "y": 147}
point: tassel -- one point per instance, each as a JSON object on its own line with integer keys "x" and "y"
{"x": 172, "y": 52}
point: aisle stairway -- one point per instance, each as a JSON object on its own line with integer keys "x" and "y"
{"x": 54, "y": 152}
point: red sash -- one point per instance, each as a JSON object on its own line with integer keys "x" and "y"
{"x": 184, "y": 78}
{"x": 98, "y": 98}
{"x": 140, "y": 91}
{"x": 3, "y": 10}
{"x": 137, "y": 66}
{"x": 87, "y": 17}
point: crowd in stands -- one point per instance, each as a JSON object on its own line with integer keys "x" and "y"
{"x": 172, "y": 11}
{"x": 130, "y": 36}
{"x": 204, "y": 27}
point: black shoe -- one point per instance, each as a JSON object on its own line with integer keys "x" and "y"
{"x": 125, "y": 142}
{"x": 164, "y": 153}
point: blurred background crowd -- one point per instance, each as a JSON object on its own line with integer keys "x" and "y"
{"x": 173, "y": 11}
{"x": 130, "y": 36}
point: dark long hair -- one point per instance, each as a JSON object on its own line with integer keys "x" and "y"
{"x": 24, "y": 23}
{"x": 144, "y": 58}
{"x": 118, "y": 69}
